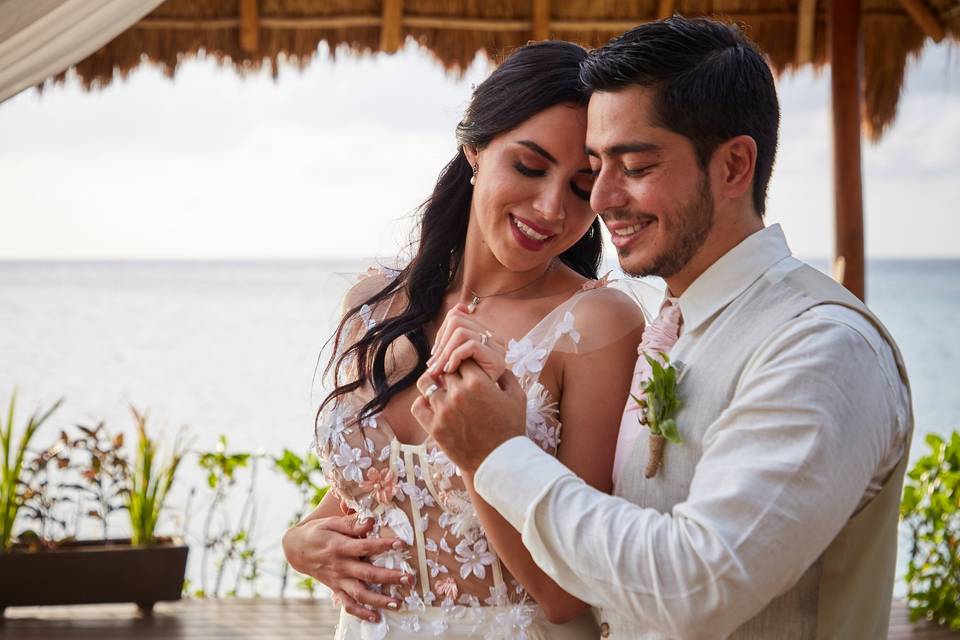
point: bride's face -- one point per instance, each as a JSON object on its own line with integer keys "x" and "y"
{"x": 531, "y": 201}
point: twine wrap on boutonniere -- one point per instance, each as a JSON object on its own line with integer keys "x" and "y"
{"x": 658, "y": 409}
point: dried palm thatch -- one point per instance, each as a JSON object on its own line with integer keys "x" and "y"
{"x": 248, "y": 34}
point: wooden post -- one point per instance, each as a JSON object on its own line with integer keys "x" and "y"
{"x": 249, "y": 26}
{"x": 664, "y": 9}
{"x": 846, "y": 54}
{"x": 541, "y": 19}
{"x": 806, "y": 26}
{"x": 391, "y": 29}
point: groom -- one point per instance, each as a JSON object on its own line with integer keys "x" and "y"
{"x": 776, "y": 516}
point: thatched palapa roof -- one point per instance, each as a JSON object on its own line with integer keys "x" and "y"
{"x": 248, "y": 34}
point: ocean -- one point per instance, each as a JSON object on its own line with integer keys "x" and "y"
{"x": 232, "y": 348}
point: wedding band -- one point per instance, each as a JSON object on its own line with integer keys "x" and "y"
{"x": 432, "y": 389}
{"x": 483, "y": 339}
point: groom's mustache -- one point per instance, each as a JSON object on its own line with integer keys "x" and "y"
{"x": 621, "y": 215}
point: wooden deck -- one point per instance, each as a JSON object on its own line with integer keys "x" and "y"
{"x": 239, "y": 619}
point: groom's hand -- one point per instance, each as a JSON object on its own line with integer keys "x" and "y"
{"x": 470, "y": 415}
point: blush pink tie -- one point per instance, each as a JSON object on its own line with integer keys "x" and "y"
{"x": 659, "y": 337}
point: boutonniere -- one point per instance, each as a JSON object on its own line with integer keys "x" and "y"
{"x": 658, "y": 409}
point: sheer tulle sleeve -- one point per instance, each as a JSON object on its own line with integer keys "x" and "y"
{"x": 594, "y": 318}
{"x": 360, "y": 288}
{"x": 353, "y": 451}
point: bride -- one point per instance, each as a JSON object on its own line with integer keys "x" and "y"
{"x": 505, "y": 273}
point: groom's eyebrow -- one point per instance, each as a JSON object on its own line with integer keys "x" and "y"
{"x": 533, "y": 146}
{"x": 622, "y": 149}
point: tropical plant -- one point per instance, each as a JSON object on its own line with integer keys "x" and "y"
{"x": 307, "y": 476}
{"x": 42, "y": 497}
{"x": 150, "y": 481}
{"x": 104, "y": 472}
{"x": 930, "y": 509}
{"x": 11, "y": 466}
{"x": 230, "y": 544}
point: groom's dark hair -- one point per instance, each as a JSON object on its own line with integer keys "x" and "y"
{"x": 711, "y": 84}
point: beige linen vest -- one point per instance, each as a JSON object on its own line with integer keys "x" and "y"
{"x": 846, "y": 593}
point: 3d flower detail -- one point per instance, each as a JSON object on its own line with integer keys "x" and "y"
{"x": 353, "y": 462}
{"x": 397, "y": 519}
{"x": 474, "y": 558}
{"x": 565, "y": 326}
{"x": 396, "y": 559}
{"x": 525, "y": 357}
{"x": 599, "y": 283}
{"x": 381, "y": 484}
{"x": 366, "y": 314}
{"x": 447, "y": 588}
{"x": 540, "y": 412}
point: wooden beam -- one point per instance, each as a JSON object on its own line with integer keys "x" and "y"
{"x": 249, "y": 26}
{"x": 391, "y": 30}
{"x": 846, "y": 74}
{"x": 467, "y": 24}
{"x": 541, "y": 19}
{"x": 664, "y": 9}
{"x": 187, "y": 24}
{"x": 926, "y": 19}
{"x": 453, "y": 23}
{"x": 614, "y": 26}
{"x": 806, "y": 26}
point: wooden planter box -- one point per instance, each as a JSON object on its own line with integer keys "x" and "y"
{"x": 93, "y": 571}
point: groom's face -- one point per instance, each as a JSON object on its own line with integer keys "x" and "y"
{"x": 650, "y": 190}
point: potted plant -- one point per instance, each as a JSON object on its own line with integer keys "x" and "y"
{"x": 143, "y": 569}
{"x": 12, "y": 489}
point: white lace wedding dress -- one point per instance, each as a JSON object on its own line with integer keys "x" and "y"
{"x": 415, "y": 493}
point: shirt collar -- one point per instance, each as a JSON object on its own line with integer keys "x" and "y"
{"x": 730, "y": 276}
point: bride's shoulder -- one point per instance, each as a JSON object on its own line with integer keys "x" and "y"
{"x": 601, "y": 306}
{"x": 367, "y": 285}
{"x": 594, "y": 318}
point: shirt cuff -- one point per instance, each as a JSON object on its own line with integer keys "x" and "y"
{"x": 514, "y": 477}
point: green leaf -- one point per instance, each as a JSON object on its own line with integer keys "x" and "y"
{"x": 669, "y": 431}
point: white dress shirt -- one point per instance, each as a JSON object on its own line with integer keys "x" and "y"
{"x": 822, "y": 396}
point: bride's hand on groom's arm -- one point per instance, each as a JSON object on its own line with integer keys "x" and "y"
{"x": 462, "y": 337}
{"x": 331, "y": 549}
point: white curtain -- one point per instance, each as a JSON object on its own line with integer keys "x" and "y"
{"x": 41, "y": 38}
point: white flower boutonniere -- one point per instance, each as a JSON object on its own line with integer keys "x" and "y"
{"x": 658, "y": 409}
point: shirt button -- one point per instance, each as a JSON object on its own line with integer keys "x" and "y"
{"x": 604, "y": 630}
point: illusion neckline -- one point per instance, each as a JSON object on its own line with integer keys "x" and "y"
{"x": 422, "y": 445}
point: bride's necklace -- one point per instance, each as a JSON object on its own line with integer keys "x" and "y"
{"x": 477, "y": 298}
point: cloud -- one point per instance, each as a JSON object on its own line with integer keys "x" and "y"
{"x": 329, "y": 162}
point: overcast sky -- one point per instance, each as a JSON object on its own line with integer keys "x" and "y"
{"x": 330, "y": 162}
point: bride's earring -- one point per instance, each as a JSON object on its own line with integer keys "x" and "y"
{"x": 473, "y": 178}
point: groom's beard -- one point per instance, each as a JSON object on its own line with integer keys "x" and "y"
{"x": 686, "y": 234}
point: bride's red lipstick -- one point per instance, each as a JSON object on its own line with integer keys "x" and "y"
{"x": 524, "y": 240}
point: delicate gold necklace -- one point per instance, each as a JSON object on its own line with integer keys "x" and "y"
{"x": 477, "y": 298}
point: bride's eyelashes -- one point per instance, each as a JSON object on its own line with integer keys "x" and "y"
{"x": 528, "y": 171}
{"x": 580, "y": 192}
{"x": 583, "y": 194}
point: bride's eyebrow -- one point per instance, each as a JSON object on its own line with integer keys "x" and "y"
{"x": 533, "y": 146}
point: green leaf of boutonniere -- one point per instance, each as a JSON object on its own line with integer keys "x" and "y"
{"x": 669, "y": 430}
{"x": 658, "y": 408}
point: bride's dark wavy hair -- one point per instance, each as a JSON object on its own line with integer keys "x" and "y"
{"x": 533, "y": 78}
